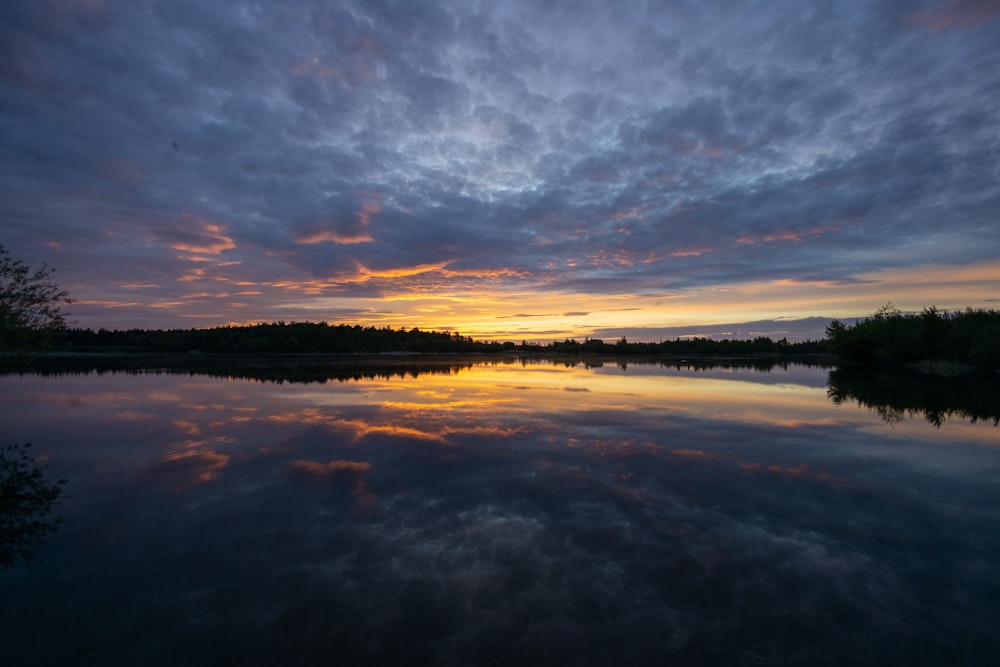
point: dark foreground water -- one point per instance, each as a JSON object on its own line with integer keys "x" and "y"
{"x": 509, "y": 514}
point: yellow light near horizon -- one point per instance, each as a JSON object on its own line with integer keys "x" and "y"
{"x": 556, "y": 315}
{"x": 501, "y": 310}
{"x": 460, "y": 402}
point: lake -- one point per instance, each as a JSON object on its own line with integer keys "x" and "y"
{"x": 508, "y": 512}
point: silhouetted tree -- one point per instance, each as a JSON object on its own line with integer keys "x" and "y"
{"x": 29, "y": 305}
{"x": 890, "y": 337}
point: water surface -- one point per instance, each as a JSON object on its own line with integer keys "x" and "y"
{"x": 506, "y": 513}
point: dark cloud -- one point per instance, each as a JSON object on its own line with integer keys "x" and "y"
{"x": 615, "y": 149}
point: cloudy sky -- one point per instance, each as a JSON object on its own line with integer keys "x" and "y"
{"x": 507, "y": 169}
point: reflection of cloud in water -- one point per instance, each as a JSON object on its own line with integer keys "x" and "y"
{"x": 351, "y": 472}
{"x": 330, "y": 468}
{"x": 801, "y": 470}
{"x": 583, "y": 556}
{"x": 556, "y": 528}
{"x": 191, "y": 462}
{"x": 516, "y": 582}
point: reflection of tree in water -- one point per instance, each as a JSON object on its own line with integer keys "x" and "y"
{"x": 279, "y": 369}
{"x": 893, "y": 396}
{"x": 889, "y": 415}
{"x": 320, "y": 369}
{"x": 26, "y": 500}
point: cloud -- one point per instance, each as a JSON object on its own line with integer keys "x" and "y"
{"x": 955, "y": 13}
{"x": 808, "y": 328}
{"x": 196, "y": 236}
{"x": 696, "y": 149}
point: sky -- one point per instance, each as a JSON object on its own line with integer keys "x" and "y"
{"x": 509, "y": 170}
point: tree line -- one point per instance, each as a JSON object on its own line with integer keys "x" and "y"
{"x": 270, "y": 338}
{"x": 891, "y": 337}
{"x": 324, "y": 338}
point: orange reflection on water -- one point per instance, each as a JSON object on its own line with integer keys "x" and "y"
{"x": 693, "y": 454}
{"x": 545, "y": 388}
{"x": 351, "y": 471}
{"x": 356, "y": 428}
{"x": 189, "y": 462}
{"x": 802, "y": 470}
{"x": 190, "y": 429}
{"x": 330, "y": 468}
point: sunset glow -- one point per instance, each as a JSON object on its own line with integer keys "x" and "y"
{"x": 481, "y": 168}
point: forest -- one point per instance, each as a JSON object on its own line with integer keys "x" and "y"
{"x": 323, "y": 338}
{"x": 890, "y": 337}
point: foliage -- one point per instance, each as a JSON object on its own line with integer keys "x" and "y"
{"x": 275, "y": 338}
{"x": 26, "y": 500}
{"x": 761, "y": 346}
{"x": 309, "y": 337}
{"x": 29, "y": 305}
{"x": 890, "y": 337}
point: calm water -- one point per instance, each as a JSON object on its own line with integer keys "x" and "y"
{"x": 466, "y": 514}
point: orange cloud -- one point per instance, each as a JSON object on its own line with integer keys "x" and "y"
{"x": 195, "y": 274}
{"x": 107, "y": 304}
{"x": 404, "y": 272}
{"x": 795, "y": 237}
{"x": 433, "y": 278}
{"x": 186, "y": 427}
{"x": 333, "y": 237}
{"x": 209, "y": 238}
{"x": 364, "y": 216}
{"x": 692, "y": 252}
